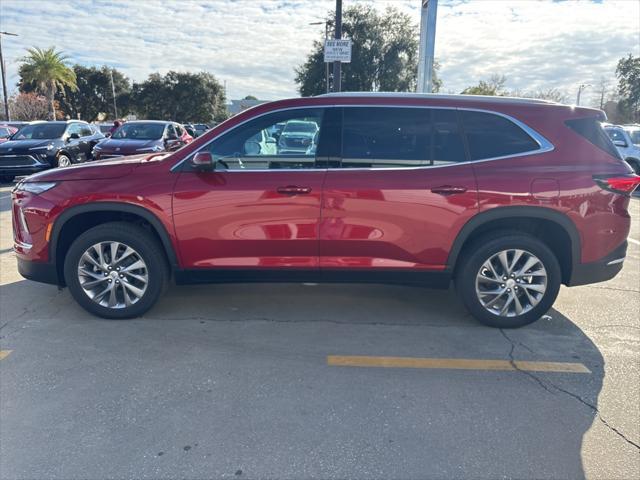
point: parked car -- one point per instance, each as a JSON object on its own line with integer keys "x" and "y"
{"x": 622, "y": 139}
{"x": 200, "y": 128}
{"x": 143, "y": 136}
{"x": 509, "y": 198}
{"x": 6, "y": 131}
{"x": 42, "y": 145}
{"x": 297, "y": 136}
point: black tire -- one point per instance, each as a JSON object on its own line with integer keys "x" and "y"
{"x": 635, "y": 164}
{"x": 6, "y": 178}
{"x": 143, "y": 243}
{"x": 476, "y": 254}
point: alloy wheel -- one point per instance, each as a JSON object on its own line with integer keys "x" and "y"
{"x": 511, "y": 282}
{"x": 64, "y": 161}
{"x": 113, "y": 274}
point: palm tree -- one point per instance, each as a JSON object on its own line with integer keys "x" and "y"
{"x": 48, "y": 72}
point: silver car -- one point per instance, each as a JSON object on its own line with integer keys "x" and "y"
{"x": 627, "y": 141}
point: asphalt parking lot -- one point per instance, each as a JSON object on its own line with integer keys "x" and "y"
{"x": 253, "y": 381}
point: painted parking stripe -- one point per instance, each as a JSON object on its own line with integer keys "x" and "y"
{"x": 634, "y": 241}
{"x": 454, "y": 364}
{"x": 4, "y": 354}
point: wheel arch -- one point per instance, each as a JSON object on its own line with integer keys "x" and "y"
{"x": 550, "y": 226}
{"x": 82, "y": 217}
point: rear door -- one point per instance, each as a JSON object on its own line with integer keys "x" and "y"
{"x": 400, "y": 193}
{"x": 260, "y": 208}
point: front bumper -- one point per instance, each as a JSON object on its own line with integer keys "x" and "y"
{"x": 38, "y": 271}
{"x": 600, "y": 271}
{"x": 24, "y": 164}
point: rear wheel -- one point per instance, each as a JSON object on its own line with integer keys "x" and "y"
{"x": 508, "y": 280}
{"x": 116, "y": 270}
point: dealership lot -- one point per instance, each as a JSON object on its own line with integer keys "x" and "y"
{"x": 255, "y": 381}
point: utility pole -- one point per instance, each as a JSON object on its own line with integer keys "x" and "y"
{"x": 580, "y": 89}
{"x": 427, "y": 45}
{"x": 4, "y": 77}
{"x": 113, "y": 90}
{"x": 337, "y": 67}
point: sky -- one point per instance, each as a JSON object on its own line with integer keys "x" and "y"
{"x": 254, "y": 45}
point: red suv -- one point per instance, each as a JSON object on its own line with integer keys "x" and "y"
{"x": 509, "y": 198}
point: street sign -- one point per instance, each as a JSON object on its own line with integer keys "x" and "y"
{"x": 337, "y": 51}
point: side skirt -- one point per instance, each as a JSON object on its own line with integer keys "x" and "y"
{"x": 439, "y": 279}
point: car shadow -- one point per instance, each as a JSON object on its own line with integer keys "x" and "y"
{"x": 480, "y": 424}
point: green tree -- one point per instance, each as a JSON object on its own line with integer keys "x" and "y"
{"x": 184, "y": 97}
{"x": 47, "y": 71}
{"x": 384, "y": 55}
{"x": 94, "y": 94}
{"x": 628, "y": 73}
{"x": 493, "y": 86}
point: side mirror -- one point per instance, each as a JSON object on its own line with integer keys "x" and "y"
{"x": 203, "y": 162}
{"x": 271, "y": 140}
{"x": 107, "y": 135}
{"x": 251, "y": 147}
{"x": 620, "y": 143}
{"x": 74, "y": 136}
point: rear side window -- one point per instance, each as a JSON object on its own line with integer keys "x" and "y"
{"x": 491, "y": 136}
{"x": 388, "y": 137}
{"x": 591, "y": 129}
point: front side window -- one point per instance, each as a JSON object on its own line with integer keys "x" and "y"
{"x": 261, "y": 144}
{"x": 396, "y": 137}
{"x": 74, "y": 128}
{"x": 85, "y": 131}
{"x": 492, "y": 136}
{"x": 635, "y": 136}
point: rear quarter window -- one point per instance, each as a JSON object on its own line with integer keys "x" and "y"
{"x": 491, "y": 136}
{"x": 591, "y": 129}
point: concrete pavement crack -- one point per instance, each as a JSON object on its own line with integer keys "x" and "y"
{"x": 543, "y": 384}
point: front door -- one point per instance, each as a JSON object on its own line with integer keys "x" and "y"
{"x": 401, "y": 192}
{"x": 260, "y": 207}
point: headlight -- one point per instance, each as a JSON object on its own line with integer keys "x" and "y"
{"x": 34, "y": 187}
{"x": 48, "y": 147}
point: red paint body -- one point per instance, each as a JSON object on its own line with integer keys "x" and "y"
{"x": 351, "y": 219}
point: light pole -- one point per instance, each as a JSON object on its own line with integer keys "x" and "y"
{"x": 427, "y": 45}
{"x": 4, "y": 78}
{"x": 326, "y": 36}
{"x": 580, "y": 89}
{"x": 337, "y": 66}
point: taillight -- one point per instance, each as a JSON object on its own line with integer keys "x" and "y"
{"x": 624, "y": 184}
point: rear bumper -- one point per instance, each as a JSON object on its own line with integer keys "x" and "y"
{"x": 600, "y": 271}
{"x": 38, "y": 271}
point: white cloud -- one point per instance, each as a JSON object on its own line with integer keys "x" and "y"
{"x": 255, "y": 45}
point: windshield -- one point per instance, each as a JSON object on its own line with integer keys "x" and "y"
{"x": 40, "y": 131}
{"x": 139, "y": 131}
{"x": 304, "y": 127}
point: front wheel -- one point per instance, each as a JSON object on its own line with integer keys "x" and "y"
{"x": 64, "y": 160}
{"x": 508, "y": 280}
{"x": 116, "y": 270}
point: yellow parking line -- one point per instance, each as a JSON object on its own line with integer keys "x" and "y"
{"x": 454, "y": 364}
{"x": 4, "y": 354}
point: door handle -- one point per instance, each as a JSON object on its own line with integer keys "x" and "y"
{"x": 293, "y": 190}
{"x": 448, "y": 190}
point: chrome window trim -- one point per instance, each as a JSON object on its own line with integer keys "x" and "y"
{"x": 545, "y": 145}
